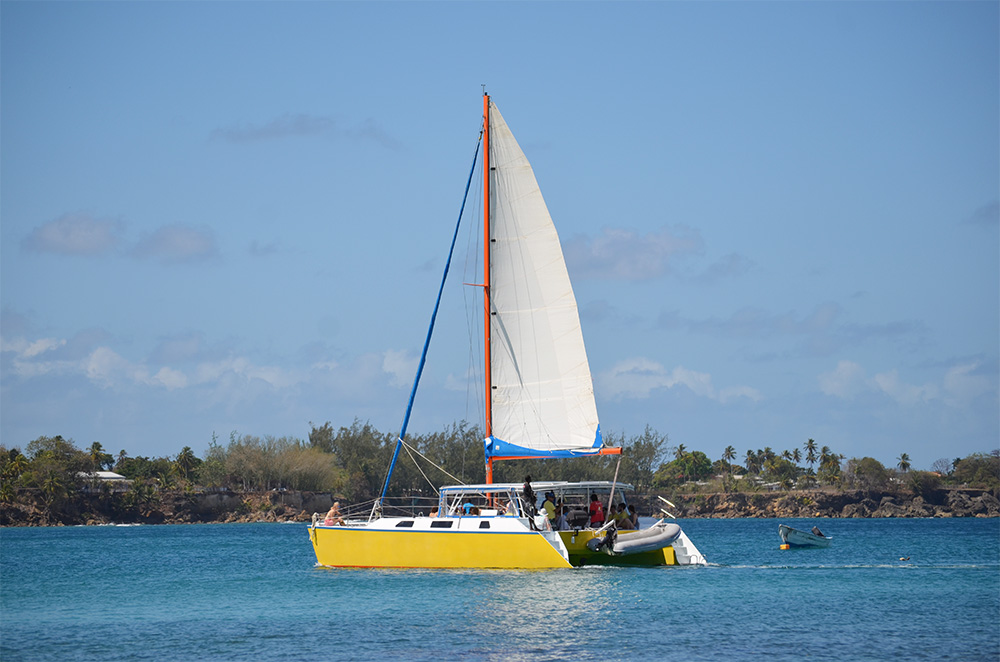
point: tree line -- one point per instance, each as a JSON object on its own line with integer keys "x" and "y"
{"x": 351, "y": 462}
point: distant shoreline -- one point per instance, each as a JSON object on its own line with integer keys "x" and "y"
{"x": 177, "y": 507}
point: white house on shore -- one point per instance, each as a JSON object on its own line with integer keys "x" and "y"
{"x": 117, "y": 482}
{"x": 109, "y": 476}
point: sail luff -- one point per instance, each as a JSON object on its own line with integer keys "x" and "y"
{"x": 488, "y": 392}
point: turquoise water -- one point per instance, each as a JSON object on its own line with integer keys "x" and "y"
{"x": 251, "y": 592}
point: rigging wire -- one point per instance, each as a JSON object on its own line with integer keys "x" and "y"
{"x": 430, "y": 331}
{"x": 410, "y": 450}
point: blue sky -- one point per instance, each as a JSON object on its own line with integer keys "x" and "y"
{"x": 781, "y": 219}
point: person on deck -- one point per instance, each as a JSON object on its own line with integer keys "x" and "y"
{"x": 528, "y": 496}
{"x": 549, "y": 506}
{"x": 633, "y": 517}
{"x": 596, "y": 512}
{"x": 560, "y": 524}
{"x": 333, "y": 516}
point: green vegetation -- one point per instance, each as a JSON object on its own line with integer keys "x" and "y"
{"x": 351, "y": 462}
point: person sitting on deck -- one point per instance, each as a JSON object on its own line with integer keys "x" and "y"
{"x": 333, "y": 516}
{"x": 596, "y": 512}
{"x": 560, "y": 523}
{"x": 549, "y": 506}
{"x": 622, "y": 520}
{"x": 633, "y": 517}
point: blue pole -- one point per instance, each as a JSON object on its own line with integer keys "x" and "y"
{"x": 430, "y": 331}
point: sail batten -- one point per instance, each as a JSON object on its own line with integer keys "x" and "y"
{"x": 541, "y": 387}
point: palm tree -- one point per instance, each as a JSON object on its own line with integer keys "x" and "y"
{"x": 750, "y": 461}
{"x": 904, "y": 462}
{"x": 728, "y": 456}
{"x": 185, "y": 462}
{"x": 824, "y": 456}
{"x": 811, "y": 458}
{"x": 796, "y": 456}
{"x": 52, "y": 489}
{"x": 18, "y": 466}
{"x": 679, "y": 453}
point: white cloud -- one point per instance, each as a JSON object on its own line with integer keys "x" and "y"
{"x": 736, "y": 392}
{"x": 27, "y": 350}
{"x": 241, "y": 369}
{"x": 958, "y": 386}
{"x": 75, "y": 234}
{"x": 626, "y": 255}
{"x": 400, "y": 366}
{"x": 639, "y": 377}
{"x": 962, "y": 385}
{"x": 107, "y": 368}
{"x": 178, "y": 243}
{"x": 846, "y": 381}
{"x": 901, "y": 392}
{"x": 284, "y": 126}
{"x": 170, "y": 378}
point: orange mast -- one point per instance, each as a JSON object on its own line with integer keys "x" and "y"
{"x": 486, "y": 277}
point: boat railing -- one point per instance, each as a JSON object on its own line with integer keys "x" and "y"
{"x": 411, "y": 506}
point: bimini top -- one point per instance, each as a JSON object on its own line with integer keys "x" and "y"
{"x": 541, "y": 487}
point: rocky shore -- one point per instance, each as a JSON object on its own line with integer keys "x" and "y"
{"x": 171, "y": 508}
{"x": 223, "y": 507}
{"x": 832, "y": 504}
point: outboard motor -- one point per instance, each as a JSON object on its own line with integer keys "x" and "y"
{"x": 607, "y": 543}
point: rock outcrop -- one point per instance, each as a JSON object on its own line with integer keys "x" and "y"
{"x": 818, "y": 503}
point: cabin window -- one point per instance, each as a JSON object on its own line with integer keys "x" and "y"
{"x": 441, "y": 525}
{"x": 484, "y": 525}
{"x": 405, "y": 524}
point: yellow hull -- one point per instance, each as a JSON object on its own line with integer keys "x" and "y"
{"x": 580, "y": 554}
{"x": 364, "y": 547}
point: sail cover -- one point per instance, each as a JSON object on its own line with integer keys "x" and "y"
{"x": 543, "y": 396}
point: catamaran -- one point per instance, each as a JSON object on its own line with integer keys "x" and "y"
{"x": 539, "y": 403}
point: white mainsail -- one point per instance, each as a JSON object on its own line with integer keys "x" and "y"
{"x": 543, "y": 395}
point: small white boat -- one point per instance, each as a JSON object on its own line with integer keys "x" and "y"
{"x": 795, "y": 538}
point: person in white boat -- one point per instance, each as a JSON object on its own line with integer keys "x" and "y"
{"x": 333, "y": 516}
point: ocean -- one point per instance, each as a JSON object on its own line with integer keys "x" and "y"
{"x": 253, "y": 592}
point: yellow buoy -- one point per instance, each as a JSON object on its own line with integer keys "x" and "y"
{"x": 785, "y": 547}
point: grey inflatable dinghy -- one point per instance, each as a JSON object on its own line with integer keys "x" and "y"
{"x": 655, "y": 537}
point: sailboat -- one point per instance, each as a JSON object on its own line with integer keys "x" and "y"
{"x": 539, "y": 404}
